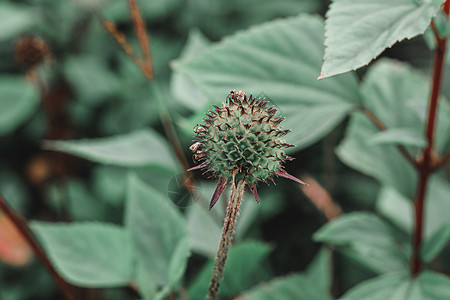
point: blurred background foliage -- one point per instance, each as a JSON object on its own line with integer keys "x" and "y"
{"x": 85, "y": 86}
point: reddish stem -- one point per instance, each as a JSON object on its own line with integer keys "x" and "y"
{"x": 65, "y": 287}
{"x": 426, "y": 165}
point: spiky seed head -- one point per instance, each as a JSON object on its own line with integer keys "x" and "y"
{"x": 242, "y": 138}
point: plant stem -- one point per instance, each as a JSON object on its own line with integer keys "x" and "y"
{"x": 227, "y": 237}
{"x": 65, "y": 287}
{"x": 426, "y": 165}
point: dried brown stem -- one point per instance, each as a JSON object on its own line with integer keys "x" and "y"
{"x": 141, "y": 33}
{"x": 227, "y": 237}
{"x": 147, "y": 68}
{"x": 22, "y": 227}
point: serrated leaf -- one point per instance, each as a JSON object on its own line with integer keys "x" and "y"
{"x": 136, "y": 149}
{"x": 15, "y": 19}
{"x": 159, "y": 233}
{"x": 367, "y": 239}
{"x": 398, "y": 136}
{"x": 359, "y": 30}
{"x": 244, "y": 259}
{"x": 435, "y": 242}
{"x": 88, "y": 254}
{"x": 427, "y": 286}
{"x": 391, "y": 91}
{"x": 293, "y": 287}
{"x": 279, "y": 60}
{"x": 19, "y": 99}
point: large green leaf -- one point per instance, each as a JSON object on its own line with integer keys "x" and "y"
{"x": 427, "y": 286}
{"x": 366, "y": 238}
{"x": 392, "y": 91}
{"x": 137, "y": 149}
{"x": 92, "y": 80}
{"x": 159, "y": 233}
{"x": 213, "y": 18}
{"x": 18, "y": 100}
{"x": 15, "y": 19}
{"x": 358, "y": 30}
{"x": 88, "y": 254}
{"x": 312, "y": 285}
{"x": 243, "y": 262}
{"x": 182, "y": 90}
{"x": 279, "y": 60}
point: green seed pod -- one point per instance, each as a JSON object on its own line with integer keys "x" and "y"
{"x": 242, "y": 140}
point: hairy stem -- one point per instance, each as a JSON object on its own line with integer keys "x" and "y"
{"x": 426, "y": 165}
{"x": 65, "y": 287}
{"x": 227, "y": 237}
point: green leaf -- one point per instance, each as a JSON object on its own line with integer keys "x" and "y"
{"x": 88, "y": 254}
{"x": 19, "y": 99}
{"x": 399, "y": 209}
{"x": 15, "y": 19}
{"x": 81, "y": 203}
{"x": 358, "y": 30}
{"x": 431, "y": 285}
{"x": 136, "y": 149}
{"x": 159, "y": 233}
{"x": 391, "y": 91}
{"x": 319, "y": 270}
{"x": 396, "y": 207}
{"x": 398, "y": 136}
{"x": 293, "y": 287}
{"x": 386, "y": 287}
{"x": 279, "y": 60}
{"x": 367, "y": 239}
{"x": 182, "y": 90}
{"x": 243, "y": 262}
{"x": 92, "y": 80}
{"x": 435, "y": 242}
{"x": 204, "y": 231}
{"x": 427, "y": 286}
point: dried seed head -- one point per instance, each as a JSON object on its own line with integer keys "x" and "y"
{"x": 31, "y": 51}
{"x": 242, "y": 140}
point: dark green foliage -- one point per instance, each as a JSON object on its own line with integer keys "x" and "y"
{"x": 86, "y": 156}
